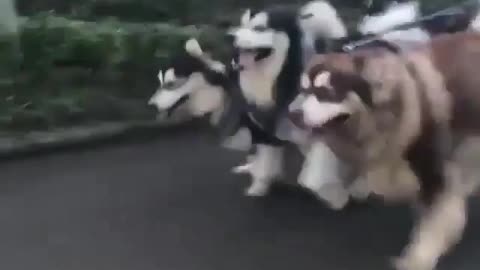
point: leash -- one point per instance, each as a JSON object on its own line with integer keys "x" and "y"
{"x": 452, "y": 10}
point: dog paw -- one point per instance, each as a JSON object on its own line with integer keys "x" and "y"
{"x": 359, "y": 190}
{"x": 257, "y": 190}
{"x": 412, "y": 263}
{"x": 335, "y": 196}
{"x": 338, "y": 204}
{"x": 241, "y": 169}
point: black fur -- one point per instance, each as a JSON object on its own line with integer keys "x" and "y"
{"x": 263, "y": 123}
{"x": 185, "y": 65}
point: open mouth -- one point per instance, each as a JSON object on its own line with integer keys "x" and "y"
{"x": 177, "y": 104}
{"x": 250, "y": 56}
{"x": 329, "y": 124}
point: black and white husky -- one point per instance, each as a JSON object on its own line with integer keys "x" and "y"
{"x": 272, "y": 46}
{"x": 200, "y": 85}
{"x": 192, "y": 81}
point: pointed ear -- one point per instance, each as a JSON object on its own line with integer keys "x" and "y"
{"x": 169, "y": 75}
{"x": 193, "y": 47}
{"x": 246, "y": 17}
{"x": 160, "y": 77}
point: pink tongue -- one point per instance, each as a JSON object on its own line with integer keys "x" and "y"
{"x": 246, "y": 59}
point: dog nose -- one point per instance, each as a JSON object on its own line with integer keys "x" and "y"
{"x": 296, "y": 116}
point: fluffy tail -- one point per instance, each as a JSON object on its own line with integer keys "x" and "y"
{"x": 393, "y": 16}
{"x": 321, "y": 20}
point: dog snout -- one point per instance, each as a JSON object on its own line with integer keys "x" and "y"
{"x": 296, "y": 116}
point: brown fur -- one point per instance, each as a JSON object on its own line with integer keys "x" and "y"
{"x": 424, "y": 102}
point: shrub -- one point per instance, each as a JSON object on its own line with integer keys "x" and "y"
{"x": 73, "y": 71}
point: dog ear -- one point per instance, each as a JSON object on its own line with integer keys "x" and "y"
{"x": 160, "y": 77}
{"x": 193, "y": 47}
{"x": 246, "y": 17}
{"x": 169, "y": 76}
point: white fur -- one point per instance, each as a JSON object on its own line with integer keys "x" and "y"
{"x": 257, "y": 78}
{"x": 160, "y": 77}
{"x": 320, "y": 175}
{"x": 395, "y": 15}
{"x": 439, "y": 228}
{"x": 193, "y": 48}
{"x": 322, "y": 80}
{"x": 203, "y": 97}
{"x": 317, "y": 113}
{"x": 242, "y": 140}
{"x": 169, "y": 76}
{"x": 245, "y": 168}
{"x": 165, "y": 99}
{"x": 257, "y": 82}
{"x": 267, "y": 165}
{"x": 287, "y": 131}
{"x": 359, "y": 189}
{"x": 323, "y": 21}
{"x": 248, "y": 38}
{"x": 245, "y": 19}
{"x": 475, "y": 24}
{"x": 297, "y": 103}
{"x": 305, "y": 81}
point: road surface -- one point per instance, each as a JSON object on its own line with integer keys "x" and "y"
{"x": 172, "y": 204}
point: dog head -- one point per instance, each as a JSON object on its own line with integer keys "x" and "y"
{"x": 193, "y": 80}
{"x": 329, "y": 97}
{"x": 264, "y": 36}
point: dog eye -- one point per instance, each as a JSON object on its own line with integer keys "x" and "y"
{"x": 260, "y": 28}
{"x": 306, "y": 16}
{"x": 168, "y": 85}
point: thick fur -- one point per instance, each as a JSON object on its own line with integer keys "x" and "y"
{"x": 201, "y": 85}
{"x": 402, "y": 120}
{"x": 270, "y": 84}
{"x": 384, "y": 14}
{"x": 193, "y": 80}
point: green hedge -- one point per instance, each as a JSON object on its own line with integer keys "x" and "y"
{"x": 176, "y": 11}
{"x": 75, "y": 71}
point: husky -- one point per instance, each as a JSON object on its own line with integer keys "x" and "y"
{"x": 272, "y": 46}
{"x": 201, "y": 86}
{"x": 402, "y": 118}
{"x": 193, "y": 80}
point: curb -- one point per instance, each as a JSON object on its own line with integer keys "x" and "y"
{"x": 36, "y": 142}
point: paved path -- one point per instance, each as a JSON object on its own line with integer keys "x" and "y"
{"x": 172, "y": 204}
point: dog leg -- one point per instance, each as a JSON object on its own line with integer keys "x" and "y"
{"x": 246, "y": 167}
{"x": 320, "y": 174}
{"x": 440, "y": 226}
{"x": 266, "y": 166}
{"x": 443, "y": 213}
{"x": 359, "y": 189}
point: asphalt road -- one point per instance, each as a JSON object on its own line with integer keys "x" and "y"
{"x": 172, "y": 204}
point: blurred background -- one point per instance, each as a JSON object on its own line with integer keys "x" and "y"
{"x": 73, "y": 62}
